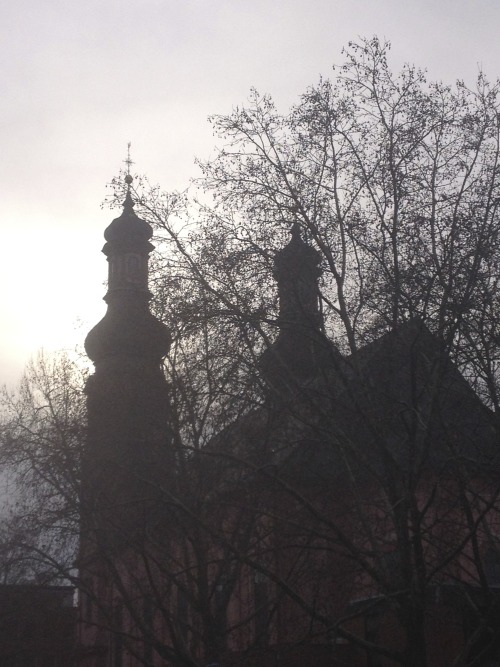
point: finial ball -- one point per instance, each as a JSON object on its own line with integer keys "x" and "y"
{"x": 128, "y": 179}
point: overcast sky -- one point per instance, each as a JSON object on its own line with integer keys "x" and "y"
{"x": 81, "y": 79}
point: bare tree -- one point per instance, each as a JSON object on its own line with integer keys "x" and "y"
{"x": 394, "y": 182}
{"x": 333, "y": 477}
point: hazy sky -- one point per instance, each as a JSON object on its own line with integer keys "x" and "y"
{"x": 81, "y": 79}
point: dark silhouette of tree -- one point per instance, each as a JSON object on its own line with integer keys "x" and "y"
{"x": 394, "y": 182}
{"x": 344, "y": 495}
{"x": 43, "y": 430}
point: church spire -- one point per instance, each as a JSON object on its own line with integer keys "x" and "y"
{"x": 127, "y": 396}
{"x": 128, "y": 329}
{"x": 296, "y": 355}
{"x": 297, "y": 272}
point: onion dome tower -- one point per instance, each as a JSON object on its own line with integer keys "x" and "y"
{"x": 297, "y": 272}
{"x": 128, "y": 333}
{"x": 297, "y": 356}
{"x": 128, "y": 437}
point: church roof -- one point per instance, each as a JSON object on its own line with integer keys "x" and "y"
{"x": 399, "y": 403}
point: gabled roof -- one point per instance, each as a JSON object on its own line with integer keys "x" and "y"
{"x": 398, "y": 403}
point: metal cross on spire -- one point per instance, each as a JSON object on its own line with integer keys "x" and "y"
{"x": 128, "y": 204}
{"x": 129, "y": 163}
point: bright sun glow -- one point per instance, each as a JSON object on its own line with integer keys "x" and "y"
{"x": 49, "y": 305}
